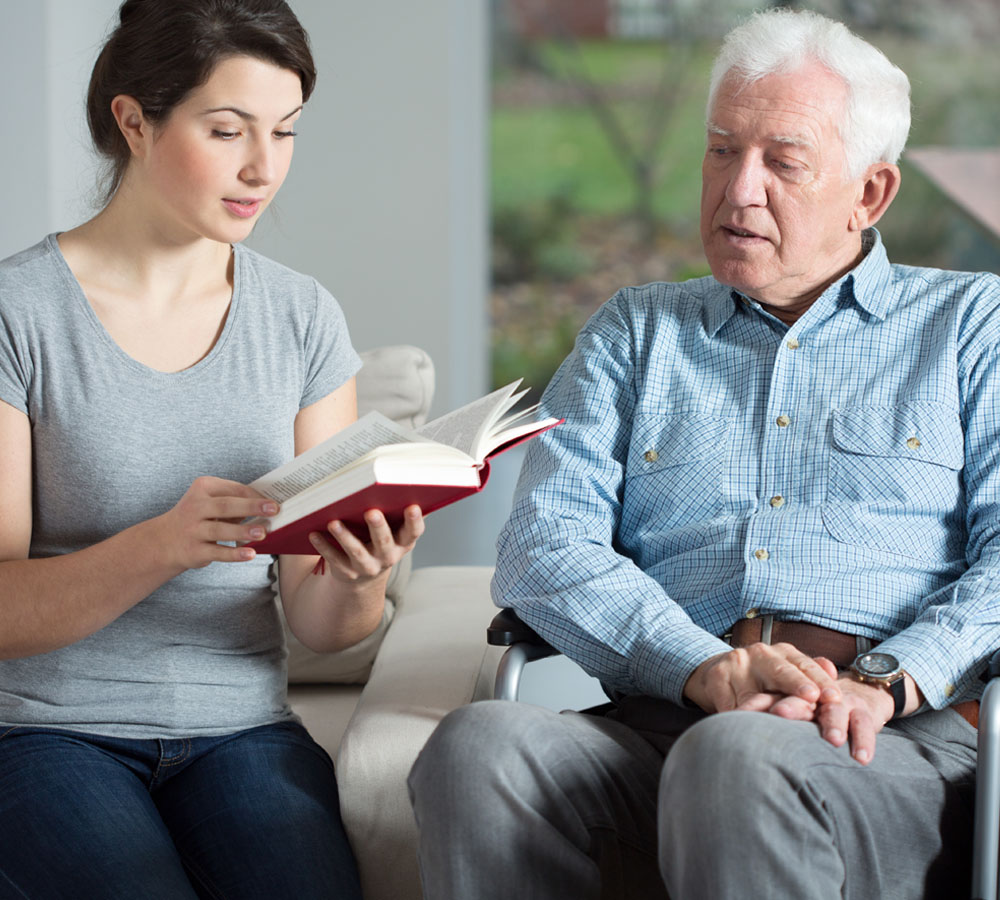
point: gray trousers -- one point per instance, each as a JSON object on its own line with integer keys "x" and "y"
{"x": 517, "y": 802}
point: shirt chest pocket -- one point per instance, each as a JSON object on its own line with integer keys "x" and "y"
{"x": 675, "y": 471}
{"x": 895, "y": 480}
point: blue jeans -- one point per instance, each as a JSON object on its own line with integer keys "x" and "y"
{"x": 248, "y": 815}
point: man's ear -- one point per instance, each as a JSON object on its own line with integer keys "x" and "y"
{"x": 878, "y": 190}
{"x": 136, "y": 130}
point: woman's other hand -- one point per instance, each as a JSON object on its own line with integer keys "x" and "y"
{"x": 353, "y": 561}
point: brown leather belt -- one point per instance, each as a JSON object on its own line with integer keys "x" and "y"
{"x": 815, "y": 640}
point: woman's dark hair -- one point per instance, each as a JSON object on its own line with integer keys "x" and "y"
{"x": 164, "y": 49}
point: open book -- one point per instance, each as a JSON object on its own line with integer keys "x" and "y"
{"x": 377, "y": 464}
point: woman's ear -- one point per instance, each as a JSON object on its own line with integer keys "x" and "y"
{"x": 877, "y": 191}
{"x": 136, "y": 130}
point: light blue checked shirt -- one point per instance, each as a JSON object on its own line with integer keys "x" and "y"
{"x": 716, "y": 463}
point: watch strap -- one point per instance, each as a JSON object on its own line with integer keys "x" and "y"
{"x": 897, "y": 689}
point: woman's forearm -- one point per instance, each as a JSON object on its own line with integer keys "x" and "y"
{"x": 325, "y": 614}
{"x": 55, "y": 601}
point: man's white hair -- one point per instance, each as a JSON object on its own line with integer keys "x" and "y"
{"x": 877, "y": 118}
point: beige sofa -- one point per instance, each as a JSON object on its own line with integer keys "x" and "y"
{"x": 374, "y": 706}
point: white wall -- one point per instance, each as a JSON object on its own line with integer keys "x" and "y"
{"x": 386, "y": 202}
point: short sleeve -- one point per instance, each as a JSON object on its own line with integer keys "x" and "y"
{"x": 15, "y": 357}
{"x": 330, "y": 358}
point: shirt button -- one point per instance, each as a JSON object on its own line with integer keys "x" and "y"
{"x": 777, "y": 501}
{"x": 762, "y": 554}
{"x": 752, "y": 613}
{"x": 783, "y": 421}
{"x": 949, "y": 690}
{"x": 913, "y": 443}
{"x": 651, "y": 456}
{"x": 792, "y": 344}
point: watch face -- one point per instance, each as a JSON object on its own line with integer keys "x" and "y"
{"x": 877, "y": 664}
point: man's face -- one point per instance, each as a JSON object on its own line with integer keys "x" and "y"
{"x": 776, "y": 208}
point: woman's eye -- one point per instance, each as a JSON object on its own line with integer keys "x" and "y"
{"x": 285, "y": 134}
{"x": 224, "y": 135}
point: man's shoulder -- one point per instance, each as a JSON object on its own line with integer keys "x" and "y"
{"x": 660, "y": 301}
{"x": 948, "y": 284}
{"x": 965, "y": 303}
{"x": 694, "y": 291}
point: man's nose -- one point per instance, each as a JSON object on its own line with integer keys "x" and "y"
{"x": 747, "y": 184}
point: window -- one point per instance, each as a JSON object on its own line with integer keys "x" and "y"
{"x": 597, "y": 136}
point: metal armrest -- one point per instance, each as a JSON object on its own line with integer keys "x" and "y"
{"x": 986, "y": 839}
{"x": 523, "y": 645}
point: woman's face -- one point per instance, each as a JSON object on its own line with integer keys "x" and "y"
{"x": 220, "y": 157}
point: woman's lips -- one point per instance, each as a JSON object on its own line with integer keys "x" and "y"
{"x": 244, "y": 209}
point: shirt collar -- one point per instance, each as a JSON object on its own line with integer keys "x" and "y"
{"x": 868, "y": 281}
{"x": 866, "y": 284}
{"x": 720, "y": 307}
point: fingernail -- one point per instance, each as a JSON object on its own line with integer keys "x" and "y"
{"x": 835, "y": 734}
{"x": 256, "y": 534}
{"x": 269, "y": 509}
{"x": 247, "y": 553}
{"x": 316, "y": 539}
{"x": 862, "y": 756}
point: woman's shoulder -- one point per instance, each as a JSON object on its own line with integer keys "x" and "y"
{"x": 40, "y": 254}
{"x": 272, "y": 274}
{"x": 272, "y": 290}
{"x": 32, "y": 274}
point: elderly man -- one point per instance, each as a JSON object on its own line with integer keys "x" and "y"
{"x": 769, "y": 525}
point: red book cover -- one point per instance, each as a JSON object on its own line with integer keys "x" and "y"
{"x": 389, "y": 497}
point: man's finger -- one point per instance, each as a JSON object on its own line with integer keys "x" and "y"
{"x": 792, "y": 708}
{"x": 834, "y": 719}
{"x": 779, "y": 668}
{"x": 861, "y": 734}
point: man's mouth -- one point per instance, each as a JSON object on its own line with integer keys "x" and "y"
{"x": 740, "y": 232}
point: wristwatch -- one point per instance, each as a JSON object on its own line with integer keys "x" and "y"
{"x": 882, "y": 670}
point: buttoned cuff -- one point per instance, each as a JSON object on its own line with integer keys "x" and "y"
{"x": 665, "y": 661}
{"x": 936, "y": 659}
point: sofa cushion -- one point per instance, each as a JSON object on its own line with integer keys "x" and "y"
{"x": 398, "y": 381}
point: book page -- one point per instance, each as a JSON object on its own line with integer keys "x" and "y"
{"x": 332, "y": 456}
{"x": 466, "y": 427}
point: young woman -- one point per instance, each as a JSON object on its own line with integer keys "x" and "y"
{"x": 150, "y": 367}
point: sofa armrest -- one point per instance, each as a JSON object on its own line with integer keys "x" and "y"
{"x": 434, "y": 659}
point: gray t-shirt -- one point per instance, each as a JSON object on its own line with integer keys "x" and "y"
{"x": 115, "y": 443}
